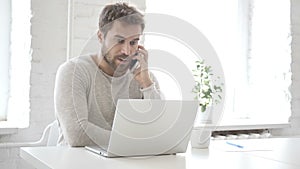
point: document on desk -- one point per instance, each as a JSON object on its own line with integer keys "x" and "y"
{"x": 243, "y": 145}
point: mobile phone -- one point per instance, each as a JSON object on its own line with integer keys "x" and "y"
{"x": 134, "y": 64}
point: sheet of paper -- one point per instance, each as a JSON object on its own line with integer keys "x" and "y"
{"x": 243, "y": 145}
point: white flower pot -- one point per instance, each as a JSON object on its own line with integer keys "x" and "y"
{"x": 200, "y": 137}
{"x": 201, "y": 134}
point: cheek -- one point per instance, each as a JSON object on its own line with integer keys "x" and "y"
{"x": 108, "y": 43}
{"x": 135, "y": 48}
{"x": 112, "y": 51}
{"x": 106, "y": 48}
{"x": 112, "y": 46}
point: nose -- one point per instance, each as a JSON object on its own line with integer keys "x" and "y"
{"x": 125, "y": 49}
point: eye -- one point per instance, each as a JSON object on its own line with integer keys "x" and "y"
{"x": 134, "y": 42}
{"x": 120, "y": 41}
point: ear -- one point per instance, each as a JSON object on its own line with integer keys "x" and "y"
{"x": 100, "y": 36}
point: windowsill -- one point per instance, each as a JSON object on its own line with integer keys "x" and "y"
{"x": 7, "y": 128}
{"x": 245, "y": 124}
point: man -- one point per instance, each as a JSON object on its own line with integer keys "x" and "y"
{"x": 87, "y": 87}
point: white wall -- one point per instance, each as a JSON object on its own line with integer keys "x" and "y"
{"x": 49, "y": 45}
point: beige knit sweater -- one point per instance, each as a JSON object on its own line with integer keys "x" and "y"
{"x": 86, "y": 97}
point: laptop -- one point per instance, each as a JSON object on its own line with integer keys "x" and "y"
{"x": 145, "y": 127}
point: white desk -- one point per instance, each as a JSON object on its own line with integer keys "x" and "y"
{"x": 283, "y": 156}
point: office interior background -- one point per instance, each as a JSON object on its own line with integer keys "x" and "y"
{"x": 44, "y": 34}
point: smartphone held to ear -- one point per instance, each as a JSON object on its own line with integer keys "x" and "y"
{"x": 134, "y": 64}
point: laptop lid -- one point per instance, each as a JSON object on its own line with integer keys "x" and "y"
{"x": 151, "y": 127}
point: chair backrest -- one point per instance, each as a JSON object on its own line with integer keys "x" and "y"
{"x": 53, "y": 134}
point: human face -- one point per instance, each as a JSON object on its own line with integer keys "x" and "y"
{"x": 118, "y": 47}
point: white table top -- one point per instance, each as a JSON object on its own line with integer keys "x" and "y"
{"x": 282, "y": 155}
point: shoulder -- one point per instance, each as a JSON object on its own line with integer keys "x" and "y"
{"x": 77, "y": 65}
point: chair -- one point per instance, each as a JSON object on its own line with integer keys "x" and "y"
{"x": 53, "y": 134}
{"x": 49, "y": 138}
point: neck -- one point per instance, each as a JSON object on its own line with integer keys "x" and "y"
{"x": 105, "y": 67}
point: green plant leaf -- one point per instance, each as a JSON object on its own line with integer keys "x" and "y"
{"x": 205, "y": 89}
{"x": 203, "y": 108}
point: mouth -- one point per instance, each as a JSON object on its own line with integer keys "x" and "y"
{"x": 123, "y": 60}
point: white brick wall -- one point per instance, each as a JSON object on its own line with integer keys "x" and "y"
{"x": 49, "y": 45}
{"x": 295, "y": 67}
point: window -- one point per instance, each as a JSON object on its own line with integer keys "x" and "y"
{"x": 17, "y": 63}
{"x": 5, "y": 26}
{"x": 252, "y": 41}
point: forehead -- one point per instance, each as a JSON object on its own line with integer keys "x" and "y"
{"x": 125, "y": 30}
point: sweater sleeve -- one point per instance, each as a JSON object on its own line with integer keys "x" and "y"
{"x": 153, "y": 91}
{"x": 71, "y": 109}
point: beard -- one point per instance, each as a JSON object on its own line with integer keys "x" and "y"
{"x": 111, "y": 61}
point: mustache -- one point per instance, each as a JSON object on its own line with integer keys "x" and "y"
{"x": 123, "y": 56}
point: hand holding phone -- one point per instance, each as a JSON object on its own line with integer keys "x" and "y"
{"x": 139, "y": 67}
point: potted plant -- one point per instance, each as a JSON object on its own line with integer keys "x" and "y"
{"x": 208, "y": 92}
{"x": 206, "y": 88}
